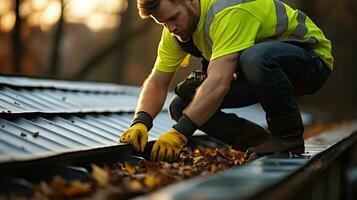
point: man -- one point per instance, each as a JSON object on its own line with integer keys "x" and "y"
{"x": 276, "y": 53}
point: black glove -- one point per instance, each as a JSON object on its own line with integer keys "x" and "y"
{"x": 187, "y": 88}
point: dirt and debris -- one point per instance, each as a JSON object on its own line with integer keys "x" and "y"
{"x": 320, "y": 126}
{"x": 35, "y": 134}
{"x": 124, "y": 180}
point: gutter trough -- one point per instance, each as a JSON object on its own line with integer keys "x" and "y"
{"x": 321, "y": 173}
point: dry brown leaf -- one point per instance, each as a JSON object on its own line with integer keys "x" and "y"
{"x": 197, "y": 152}
{"x": 152, "y": 166}
{"x": 70, "y": 189}
{"x": 213, "y": 168}
{"x": 45, "y": 188}
{"x": 129, "y": 168}
{"x": 196, "y": 159}
{"x": 188, "y": 173}
{"x": 146, "y": 175}
{"x": 150, "y": 180}
{"x": 135, "y": 185}
{"x": 100, "y": 175}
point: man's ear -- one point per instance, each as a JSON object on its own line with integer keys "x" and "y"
{"x": 190, "y": 1}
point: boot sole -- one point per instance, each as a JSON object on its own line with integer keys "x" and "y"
{"x": 295, "y": 151}
{"x": 292, "y": 152}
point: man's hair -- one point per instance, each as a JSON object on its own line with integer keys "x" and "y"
{"x": 147, "y": 7}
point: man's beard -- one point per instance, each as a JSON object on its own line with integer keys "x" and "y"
{"x": 182, "y": 39}
{"x": 191, "y": 26}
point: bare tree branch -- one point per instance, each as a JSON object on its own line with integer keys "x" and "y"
{"x": 118, "y": 43}
{"x": 54, "y": 57}
{"x": 121, "y": 58}
{"x": 16, "y": 40}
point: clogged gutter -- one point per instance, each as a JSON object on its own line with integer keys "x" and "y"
{"x": 124, "y": 180}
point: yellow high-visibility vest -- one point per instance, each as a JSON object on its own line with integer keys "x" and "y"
{"x": 229, "y": 26}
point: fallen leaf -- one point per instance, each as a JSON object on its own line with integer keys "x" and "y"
{"x": 150, "y": 180}
{"x": 196, "y": 159}
{"x": 100, "y": 175}
{"x": 135, "y": 185}
{"x": 129, "y": 168}
{"x": 70, "y": 189}
{"x": 213, "y": 168}
{"x": 197, "y": 152}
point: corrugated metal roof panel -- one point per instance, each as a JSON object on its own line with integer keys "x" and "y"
{"x": 67, "y": 85}
{"x": 54, "y": 117}
{"x": 27, "y": 100}
{"x": 24, "y": 139}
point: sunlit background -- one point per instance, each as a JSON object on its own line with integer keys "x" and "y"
{"x": 95, "y": 14}
{"x": 73, "y": 39}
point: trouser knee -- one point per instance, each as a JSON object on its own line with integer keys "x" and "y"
{"x": 262, "y": 68}
{"x": 257, "y": 65}
{"x": 176, "y": 107}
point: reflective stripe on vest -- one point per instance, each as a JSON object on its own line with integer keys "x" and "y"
{"x": 281, "y": 18}
{"x": 300, "y": 30}
{"x": 218, "y": 6}
{"x": 281, "y": 24}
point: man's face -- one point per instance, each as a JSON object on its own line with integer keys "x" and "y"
{"x": 179, "y": 18}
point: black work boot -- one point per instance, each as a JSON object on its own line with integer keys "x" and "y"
{"x": 241, "y": 135}
{"x": 286, "y": 137}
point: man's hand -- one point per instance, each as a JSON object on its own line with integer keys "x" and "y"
{"x": 137, "y": 135}
{"x": 168, "y": 146}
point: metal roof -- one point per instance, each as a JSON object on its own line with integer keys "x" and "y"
{"x": 28, "y": 82}
{"x": 28, "y": 138}
{"x": 31, "y": 95}
{"x": 44, "y": 100}
{"x": 41, "y": 118}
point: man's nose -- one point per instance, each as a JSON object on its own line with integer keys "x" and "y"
{"x": 171, "y": 27}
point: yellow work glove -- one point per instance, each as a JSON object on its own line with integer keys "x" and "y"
{"x": 137, "y": 135}
{"x": 168, "y": 146}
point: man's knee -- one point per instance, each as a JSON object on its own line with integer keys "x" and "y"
{"x": 176, "y": 107}
{"x": 257, "y": 64}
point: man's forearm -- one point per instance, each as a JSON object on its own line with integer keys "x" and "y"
{"x": 151, "y": 99}
{"x": 153, "y": 94}
{"x": 210, "y": 95}
{"x": 206, "y": 102}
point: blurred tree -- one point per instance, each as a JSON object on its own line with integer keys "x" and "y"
{"x": 16, "y": 39}
{"x": 126, "y": 33}
{"x": 38, "y": 40}
{"x": 120, "y": 62}
{"x": 54, "y": 59}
